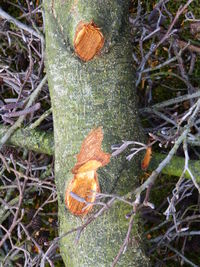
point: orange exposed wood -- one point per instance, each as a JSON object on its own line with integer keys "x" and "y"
{"x": 84, "y": 185}
{"x": 88, "y": 40}
{"x": 147, "y": 158}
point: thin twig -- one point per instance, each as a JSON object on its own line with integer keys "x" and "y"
{"x": 18, "y": 123}
{"x": 23, "y": 112}
{"x": 22, "y": 26}
{"x": 126, "y": 241}
{"x": 40, "y": 119}
{"x": 181, "y": 255}
{"x": 172, "y": 101}
{"x": 179, "y": 12}
{"x": 166, "y": 161}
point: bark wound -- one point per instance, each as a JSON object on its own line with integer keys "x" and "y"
{"x": 88, "y": 40}
{"x": 82, "y": 189}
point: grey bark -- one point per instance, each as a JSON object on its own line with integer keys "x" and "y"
{"x": 84, "y": 96}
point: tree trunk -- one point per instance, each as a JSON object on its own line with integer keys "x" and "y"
{"x": 86, "y": 95}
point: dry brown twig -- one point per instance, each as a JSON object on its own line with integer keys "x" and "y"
{"x": 22, "y": 26}
{"x": 16, "y": 220}
{"x": 18, "y": 123}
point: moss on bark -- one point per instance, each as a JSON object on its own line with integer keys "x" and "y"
{"x": 38, "y": 141}
{"x": 176, "y": 166}
{"x": 84, "y": 96}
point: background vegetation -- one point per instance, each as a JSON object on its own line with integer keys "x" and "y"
{"x": 166, "y": 47}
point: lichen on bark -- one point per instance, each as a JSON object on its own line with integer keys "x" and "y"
{"x": 38, "y": 141}
{"x": 84, "y": 96}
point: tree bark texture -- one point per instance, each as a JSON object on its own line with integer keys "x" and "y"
{"x": 97, "y": 93}
{"x": 43, "y": 142}
{"x": 38, "y": 141}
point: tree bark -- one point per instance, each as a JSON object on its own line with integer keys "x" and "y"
{"x": 38, "y": 141}
{"x": 42, "y": 142}
{"x": 99, "y": 92}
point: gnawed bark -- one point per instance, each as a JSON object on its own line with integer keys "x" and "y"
{"x": 42, "y": 142}
{"x": 99, "y": 92}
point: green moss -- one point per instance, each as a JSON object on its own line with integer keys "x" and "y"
{"x": 176, "y": 166}
{"x": 162, "y": 188}
{"x": 38, "y": 141}
{"x": 162, "y": 94}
